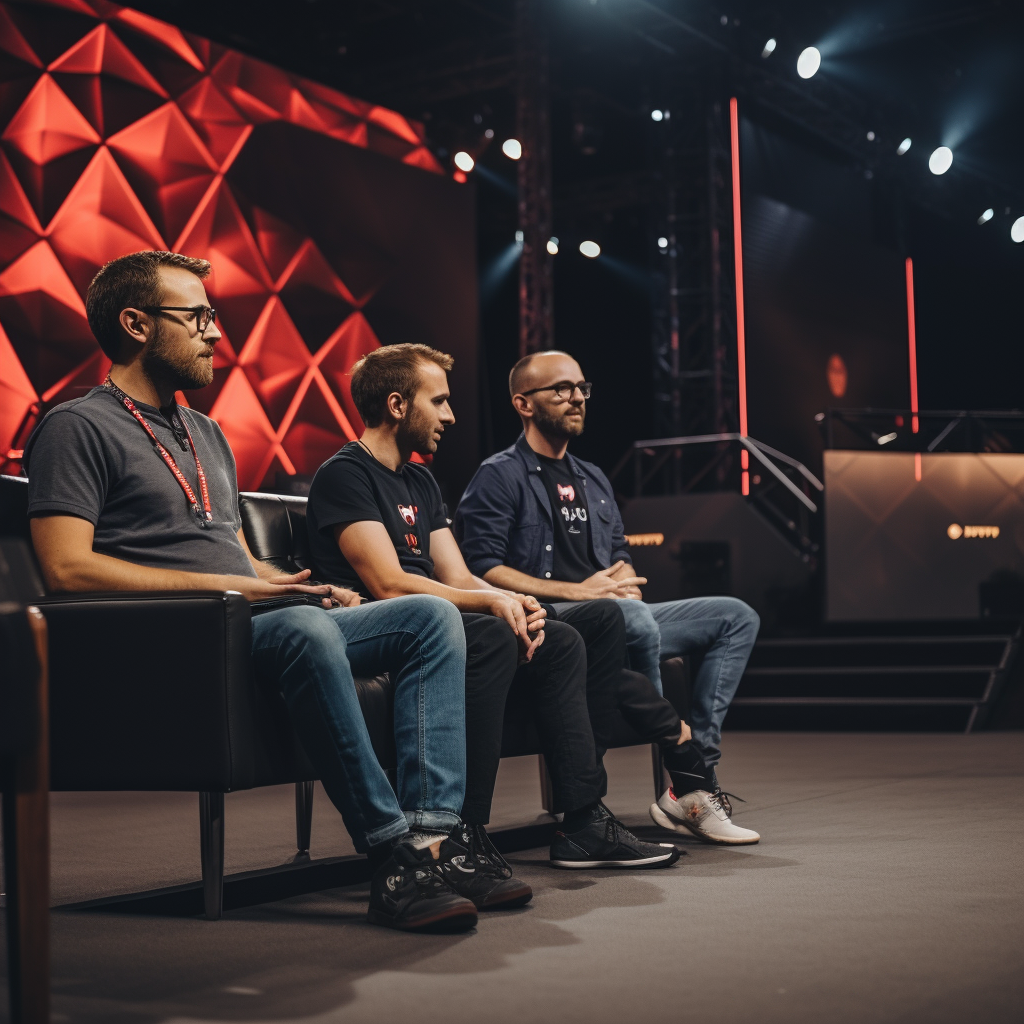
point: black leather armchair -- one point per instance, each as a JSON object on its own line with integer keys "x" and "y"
{"x": 154, "y": 691}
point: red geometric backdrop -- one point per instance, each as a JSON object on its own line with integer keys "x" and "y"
{"x": 116, "y": 132}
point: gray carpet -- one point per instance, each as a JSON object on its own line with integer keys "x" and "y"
{"x": 888, "y": 887}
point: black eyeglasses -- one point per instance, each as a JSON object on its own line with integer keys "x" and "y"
{"x": 204, "y": 314}
{"x": 564, "y": 389}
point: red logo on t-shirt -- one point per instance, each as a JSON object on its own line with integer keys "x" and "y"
{"x": 408, "y": 513}
{"x": 410, "y": 539}
{"x": 566, "y": 492}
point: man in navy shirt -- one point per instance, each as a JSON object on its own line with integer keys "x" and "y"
{"x": 536, "y": 519}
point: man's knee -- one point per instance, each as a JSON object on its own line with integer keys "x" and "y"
{"x": 561, "y": 637}
{"x": 742, "y": 616}
{"x": 427, "y": 614}
{"x": 487, "y": 633}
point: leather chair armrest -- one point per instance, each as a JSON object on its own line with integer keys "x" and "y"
{"x": 150, "y": 691}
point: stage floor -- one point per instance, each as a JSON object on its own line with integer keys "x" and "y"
{"x": 887, "y": 887}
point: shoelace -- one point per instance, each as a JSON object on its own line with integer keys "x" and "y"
{"x": 482, "y": 850}
{"x": 724, "y": 800}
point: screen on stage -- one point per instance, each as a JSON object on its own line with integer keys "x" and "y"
{"x": 330, "y": 226}
{"x": 902, "y": 548}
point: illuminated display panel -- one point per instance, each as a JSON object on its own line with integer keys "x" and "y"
{"x": 119, "y": 132}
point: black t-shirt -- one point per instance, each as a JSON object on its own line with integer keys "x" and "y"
{"x": 353, "y": 487}
{"x": 573, "y": 559}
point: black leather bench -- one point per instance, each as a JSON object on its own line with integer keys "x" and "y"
{"x": 133, "y": 708}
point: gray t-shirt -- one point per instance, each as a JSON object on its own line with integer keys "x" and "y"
{"x": 90, "y": 458}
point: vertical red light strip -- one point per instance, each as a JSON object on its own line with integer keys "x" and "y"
{"x": 741, "y": 339}
{"x": 912, "y": 339}
{"x": 915, "y": 423}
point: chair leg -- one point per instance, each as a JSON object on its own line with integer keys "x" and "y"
{"x": 26, "y": 862}
{"x": 303, "y": 815}
{"x": 547, "y": 791}
{"x": 662, "y": 781}
{"x": 211, "y": 848}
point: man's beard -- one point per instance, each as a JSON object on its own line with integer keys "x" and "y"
{"x": 559, "y": 424}
{"x": 184, "y": 372}
{"x": 415, "y": 435}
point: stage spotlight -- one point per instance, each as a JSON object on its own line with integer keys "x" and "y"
{"x": 464, "y": 161}
{"x": 986, "y": 216}
{"x": 553, "y": 245}
{"x": 1017, "y": 231}
{"x": 519, "y": 239}
{"x": 657, "y": 115}
{"x": 512, "y": 148}
{"x": 663, "y": 243}
{"x": 489, "y": 134}
{"x": 903, "y": 147}
{"x": 941, "y": 160}
{"x": 871, "y": 136}
{"x": 769, "y": 48}
{"x": 808, "y": 62}
{"x": 590, "y": 249}
{"x": 886, "y": 438}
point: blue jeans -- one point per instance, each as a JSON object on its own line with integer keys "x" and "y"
{"x": 723, "y": 628}
{"x": 310, "y": 656}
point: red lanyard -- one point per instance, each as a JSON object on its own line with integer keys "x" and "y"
{"x": 204, "y": 515}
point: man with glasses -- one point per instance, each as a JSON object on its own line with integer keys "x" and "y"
{"x": 537, "y": 520}
{"x": 130, "y": 491}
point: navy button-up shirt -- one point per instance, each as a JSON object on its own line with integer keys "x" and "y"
{"x": 505, "y": 516}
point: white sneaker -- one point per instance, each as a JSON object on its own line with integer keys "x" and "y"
{"x": 704, "y": 814}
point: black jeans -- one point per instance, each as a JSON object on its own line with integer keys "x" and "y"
{"x": 613, "y": 692}
{"x": 555, "y": 681}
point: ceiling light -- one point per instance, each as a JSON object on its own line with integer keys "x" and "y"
{"x": 769, "y": 48}
{"x": 663, "y": 242}
{"x": 553, "y": 246}
{"x": 941, "y": 160}
{"x": 886, "y": 438}
{"x": 657, "y": 115}
{"x": 590, "y": 249}
{"x": 903, "y": 147}
{"x": 871, "y": 136}
{"x": 987, "y": 216}
{"x": 512, "y": 148}
{"x": 1017, "y": 231}
{"x": 808, "y": 62}
{"x": 489, "y": 134}
{"x": 464, "y": 161}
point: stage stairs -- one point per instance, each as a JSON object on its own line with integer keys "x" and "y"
{"x": 922, "y": 677}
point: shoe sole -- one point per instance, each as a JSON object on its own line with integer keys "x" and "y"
{"x": 662, "y": 860}
{"x": 510, "y": 902}
{"x": 454, "y": 920}
{"x": 662, "y": 819}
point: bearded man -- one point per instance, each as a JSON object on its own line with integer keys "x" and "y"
{"x": 538, "y": 520}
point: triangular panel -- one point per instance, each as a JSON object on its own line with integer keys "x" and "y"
{"x": 101, "y": 219}
{"x": 315, "y": 296}
{"x": 246, "y": 427}
{"x": 239, "y": 284}
{"x": 275, "y": 359}
{"x": 167, "y": 165}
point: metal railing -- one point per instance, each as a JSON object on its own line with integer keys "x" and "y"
{"x": 958, "y": 430}
{"x": 782, "y": 488}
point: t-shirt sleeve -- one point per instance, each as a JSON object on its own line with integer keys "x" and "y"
{"x": 342, "y": 493}
{"x": 67, "y": 468}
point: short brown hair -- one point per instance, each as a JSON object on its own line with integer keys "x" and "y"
{"x": 128, "y": 281}
{"x": 390, "y": 369}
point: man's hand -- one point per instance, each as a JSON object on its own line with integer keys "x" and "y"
{"x": 607, "y": 584}
{"x": 336, "y": 595}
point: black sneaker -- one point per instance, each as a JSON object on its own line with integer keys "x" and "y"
{"x": 408, "y": 892}
{"x": 471, "y": 865}
{"x": 607, "y": 843}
